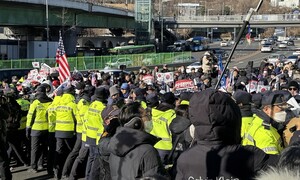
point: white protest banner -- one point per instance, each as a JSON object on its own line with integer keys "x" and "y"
{"x": 165, "y": 77}
{"x": 252, "y": 86}
{"x": 262, "y": 88}
{"x": 45, "y": 69}
{"x": 35, "y": 64}
{"x": 32, "y": 73}
{"x": 160, "y": 77}
{"x": 148, "y": 79}
{"x": 169, "y": 77}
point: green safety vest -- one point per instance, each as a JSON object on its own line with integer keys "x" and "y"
{"x": 161, "y": 121}
{"x": 51, "y": 112}
{"x": 67, "y": 114}
{"x": 267, "y": 139}
{"x": 24, "y": 107}
{"x": 94, "y": 122}
{"x": 36, "y": 117}
{"x": 82, "y": 107}
{"x": 246, "y": 122}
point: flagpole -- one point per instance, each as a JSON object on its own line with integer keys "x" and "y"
{"x": 245, "y": 23}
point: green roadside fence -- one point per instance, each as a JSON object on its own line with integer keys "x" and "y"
{"x": 100, "y": 62}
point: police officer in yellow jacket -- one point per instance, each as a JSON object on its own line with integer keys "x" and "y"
{"x": 243, "y": 100}
{"x": 37, "y": 127}
{"x": 94, "y": 125}
{"x": 262, "y": 132}
{"x": 51, "y": 115}
{"x": 82, "y": 93}
{"x": 162, "y": 116}
{"x": 83, "y": 106}
{"x": 67, "y": 116}
{"x": 22, "y": 140}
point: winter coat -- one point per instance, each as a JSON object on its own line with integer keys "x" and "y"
{"x": 278, "y": 174}
{"x": 133, "y": 155}
{"x": 178, "y": 127}
{"x": 218, "y": 153}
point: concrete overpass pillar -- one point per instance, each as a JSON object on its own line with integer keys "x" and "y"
{"x": 234, "y": 33}
{"x": 70, "y": 40}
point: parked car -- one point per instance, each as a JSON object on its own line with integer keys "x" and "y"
{"x": 116, "y": 63}
{"x": 290, "y": 43}
{"x": 195, "y": 65}
{"x": 266, "y": 48}
{"x": 292, "y": 59}
{"x": 297, "y": 52}
{"x": 150, "y": 59}
{"x": 183, "y": 58}
{"x": 282, "y": 45}
{"x": 276, "y": 57}
{"x": 224, "y": 44}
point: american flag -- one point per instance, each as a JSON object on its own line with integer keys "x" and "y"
{"x": 248, "y": 35}
{"x": 61, "y": 60}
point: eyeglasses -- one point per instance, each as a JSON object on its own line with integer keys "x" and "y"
{"x": 295, "y": 89}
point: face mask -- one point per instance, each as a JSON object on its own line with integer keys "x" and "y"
{"x": 77, "y": 91}
{"x": 280, "y": 116}
{"x": 148, "y": 126}
{"x": 85, "y": 79}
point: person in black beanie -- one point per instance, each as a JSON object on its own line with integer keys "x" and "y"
{"x": 94, "y": 126}
{"x": 243, "y": 100}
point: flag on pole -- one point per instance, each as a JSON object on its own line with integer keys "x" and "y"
{"x": 248, "y": 35}
{"x": 221, "y": 68}
{"x": 61, "y": 60}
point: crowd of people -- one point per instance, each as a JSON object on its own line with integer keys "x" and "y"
{"x": 103, "y": 126}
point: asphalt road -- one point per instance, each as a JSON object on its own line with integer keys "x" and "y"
{"x": 245, "y": 53}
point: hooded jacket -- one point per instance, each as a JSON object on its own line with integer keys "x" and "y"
{"x": 133, "y": 155}
{"x": 278, "y": 174}
{"x": 218, "y": 153}
{"x": 36, "y": 117}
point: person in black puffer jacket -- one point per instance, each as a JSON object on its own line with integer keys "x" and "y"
{"x": 219, "y": 153}
{"x": 132, "y": 153}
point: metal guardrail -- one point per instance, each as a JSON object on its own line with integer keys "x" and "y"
{"x": 228, "y": 18}
{"x": 100, "y": 62}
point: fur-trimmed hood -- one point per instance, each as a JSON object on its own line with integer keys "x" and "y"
{"x": 278, "y": 174}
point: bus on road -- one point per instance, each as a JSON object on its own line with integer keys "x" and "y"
{"x": 199, "y": 43}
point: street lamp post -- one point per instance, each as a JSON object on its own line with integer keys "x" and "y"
{"x": 162, "y": 23}
{"x": 47, "y": 28}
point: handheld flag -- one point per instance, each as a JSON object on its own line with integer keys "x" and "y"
{"x": 221, "y": 68}
{"x": 248, "y": 35}
{"x": 61, "y": 60}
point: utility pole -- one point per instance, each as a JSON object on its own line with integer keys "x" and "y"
{"x": 47, "y": 27}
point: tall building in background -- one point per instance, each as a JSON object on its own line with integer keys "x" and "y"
{"x": 144, "y": 24}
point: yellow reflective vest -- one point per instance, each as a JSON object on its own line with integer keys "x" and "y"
{"x": 267, "y": 139}
{"x": 82, "y": 106}
{"x": 246, "y": 122}
{"x": 94, "y": 122}
{"x": 161, "y": 121}
{"x": 67, "y": 116}
{"x": 51, "y": 113}
{"x": 36, "y": 117}
{"x": 25, "y": 104}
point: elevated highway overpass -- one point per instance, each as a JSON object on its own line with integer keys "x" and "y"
{"x": 63, "y": 13}
{"x": 234, "y": 21}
